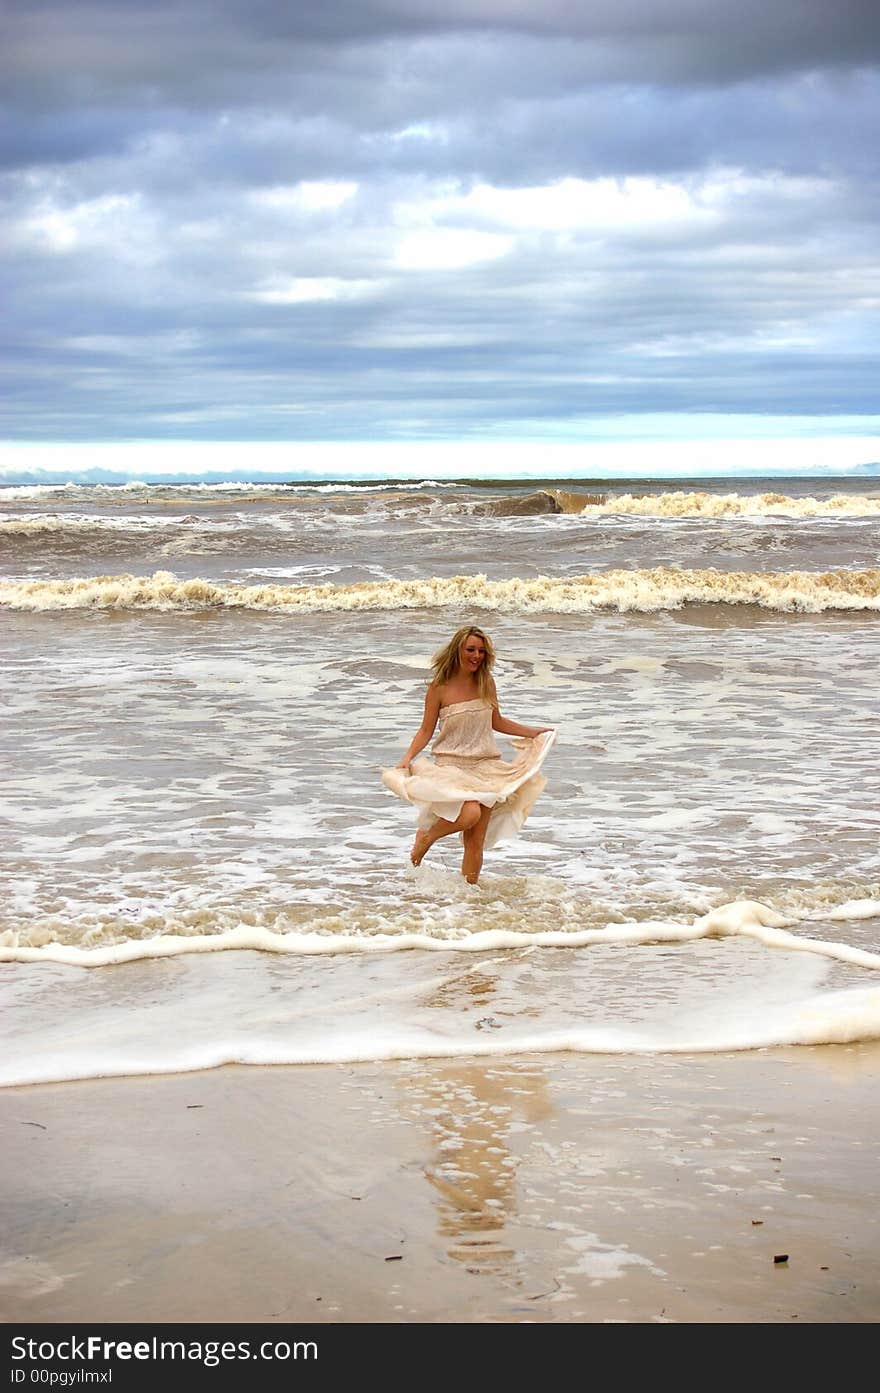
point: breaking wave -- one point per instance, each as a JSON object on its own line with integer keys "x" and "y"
{"x": 42, "y": 526}
{"x": 542, "y": 501}
{"x": 643, "y": 591}
{"x": 730, "y": 505}
{"x": 679, "y": 504}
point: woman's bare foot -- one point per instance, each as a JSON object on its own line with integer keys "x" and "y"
{"x": 419, "y": 847}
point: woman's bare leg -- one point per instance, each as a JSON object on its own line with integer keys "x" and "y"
{"x": 472, "y": 861}
{"x": 427, "y": 836}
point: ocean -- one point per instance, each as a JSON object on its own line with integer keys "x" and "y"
{"x": 202, "y": 683}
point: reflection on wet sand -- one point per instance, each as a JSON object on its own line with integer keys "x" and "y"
{"x": 473, "y": 1108}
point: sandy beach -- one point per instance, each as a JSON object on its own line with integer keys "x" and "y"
{"x": 566, "y": 1188}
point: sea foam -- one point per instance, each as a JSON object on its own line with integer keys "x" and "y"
{"x": 644, "y": 591}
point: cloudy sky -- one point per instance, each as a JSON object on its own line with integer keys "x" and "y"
{"x": 440, "y": 220}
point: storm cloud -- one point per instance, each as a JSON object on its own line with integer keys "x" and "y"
{"x": 396, "y": 219}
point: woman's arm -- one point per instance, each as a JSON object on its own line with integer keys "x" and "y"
{"x": 506, "y": 727}
{"x": 426, "y": 729}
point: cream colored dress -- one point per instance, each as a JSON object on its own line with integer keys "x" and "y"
{"x": 467, "y": 766}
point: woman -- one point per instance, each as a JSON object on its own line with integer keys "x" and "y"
{"x": 468, "y": 787}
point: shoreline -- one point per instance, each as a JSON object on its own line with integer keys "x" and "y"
{"x": 548, "y": 1189}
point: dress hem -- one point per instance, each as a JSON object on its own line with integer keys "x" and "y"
{"x": 511, "y": 801}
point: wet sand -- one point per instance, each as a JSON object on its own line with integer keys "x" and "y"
{"x": 552, "y": 1188}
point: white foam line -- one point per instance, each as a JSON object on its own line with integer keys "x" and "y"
{"x": 748, "y": 918}
{"x": 264, "y": 940}
{"x": 860, "y": 1020}
{"x": 852, "y": 909}
{"x": 643, "y": 591}
{"x": 777, "y": 938}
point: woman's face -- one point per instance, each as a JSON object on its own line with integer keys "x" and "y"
{"x": 472, "y": 654}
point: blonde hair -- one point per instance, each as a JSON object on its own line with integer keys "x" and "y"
{"x": 445, "y": 662}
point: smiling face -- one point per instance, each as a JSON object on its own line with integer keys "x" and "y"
{"x": 472, "y": 654}
{"x": 469, "y": 654}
